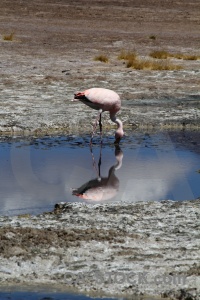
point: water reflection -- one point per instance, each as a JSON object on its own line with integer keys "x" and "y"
{"x": 36, "y": 174}
{"x": 101, "y": 188}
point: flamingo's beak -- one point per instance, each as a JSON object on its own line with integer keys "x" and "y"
{"x": 79, "y": 95}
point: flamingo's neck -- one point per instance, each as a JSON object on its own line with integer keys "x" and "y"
{"x": 119, "y": 132}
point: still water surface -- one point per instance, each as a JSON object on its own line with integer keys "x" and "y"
{"x": 30, "y": 295}
{"x": 37, "y": 173}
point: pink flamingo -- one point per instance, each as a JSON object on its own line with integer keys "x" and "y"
{"x": 102, "y": 100}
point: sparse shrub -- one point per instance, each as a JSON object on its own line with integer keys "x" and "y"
{"x": 186, "y": 56}
{"x": 162, "y": 54}
{"x": 127, "y": 55}
{"x": 8, "y": 37}
{"x": 177, "y": 56}
{"x": 102, "y": 58}
{"x": 147, "y": 64}
{"x": 151, "y": 65}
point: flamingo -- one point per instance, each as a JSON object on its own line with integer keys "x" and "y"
{"x": 102, "y": 100}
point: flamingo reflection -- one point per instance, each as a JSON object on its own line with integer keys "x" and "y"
{"x": 101, "y": 188}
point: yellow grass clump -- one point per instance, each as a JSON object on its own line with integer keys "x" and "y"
{"x": 186, "y": 56}
{"x": 133, "y": 61}
{"x": 102, "y": 58}
{"x": 142, "y": 64}
{"x": 8, "y": 37}
{"x": 127, "y": 55}
{"x": 162, "y": 54}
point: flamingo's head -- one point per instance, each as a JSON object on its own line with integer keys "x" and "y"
{"x": 79, "y": 95}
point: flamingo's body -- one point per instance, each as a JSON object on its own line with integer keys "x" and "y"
{"x": 103, "y": 100}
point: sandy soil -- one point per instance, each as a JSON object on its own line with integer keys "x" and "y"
{"x": 50, "y": 57}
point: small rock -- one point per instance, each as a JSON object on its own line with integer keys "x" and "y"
{"x": 15, "y": 251}
{"x": 10, "y": 235}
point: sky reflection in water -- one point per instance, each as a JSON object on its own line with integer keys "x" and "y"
{"x": 36, "y": 174}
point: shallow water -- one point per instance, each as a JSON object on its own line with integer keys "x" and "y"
{"x": 24, "y": 295}
{"x": 37, "y": 173}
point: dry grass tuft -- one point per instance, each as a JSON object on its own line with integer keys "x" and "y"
{"x": 162, "y": 54}
{"x": 127, "y": 55}
{"x": 146, "y": 64}
{"x": 8, "y": 37}
{"x": 151, "y": 65}
{"x": 185, "y": 56}
{"x": 102, "y": 58}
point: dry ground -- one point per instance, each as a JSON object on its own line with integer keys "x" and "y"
{"x": 52, "y": 51}
{"x": 78, "y": 246}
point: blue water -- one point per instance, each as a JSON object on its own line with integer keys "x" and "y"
{"x": 29, "y": 295}
{"x": 36, "y": 174}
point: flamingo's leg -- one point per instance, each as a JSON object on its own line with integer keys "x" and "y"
{"x": 98, "y": 118}
{"x": 100, "y": 124}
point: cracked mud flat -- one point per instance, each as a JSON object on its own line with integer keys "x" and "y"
{"x": 51, "y": 57}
